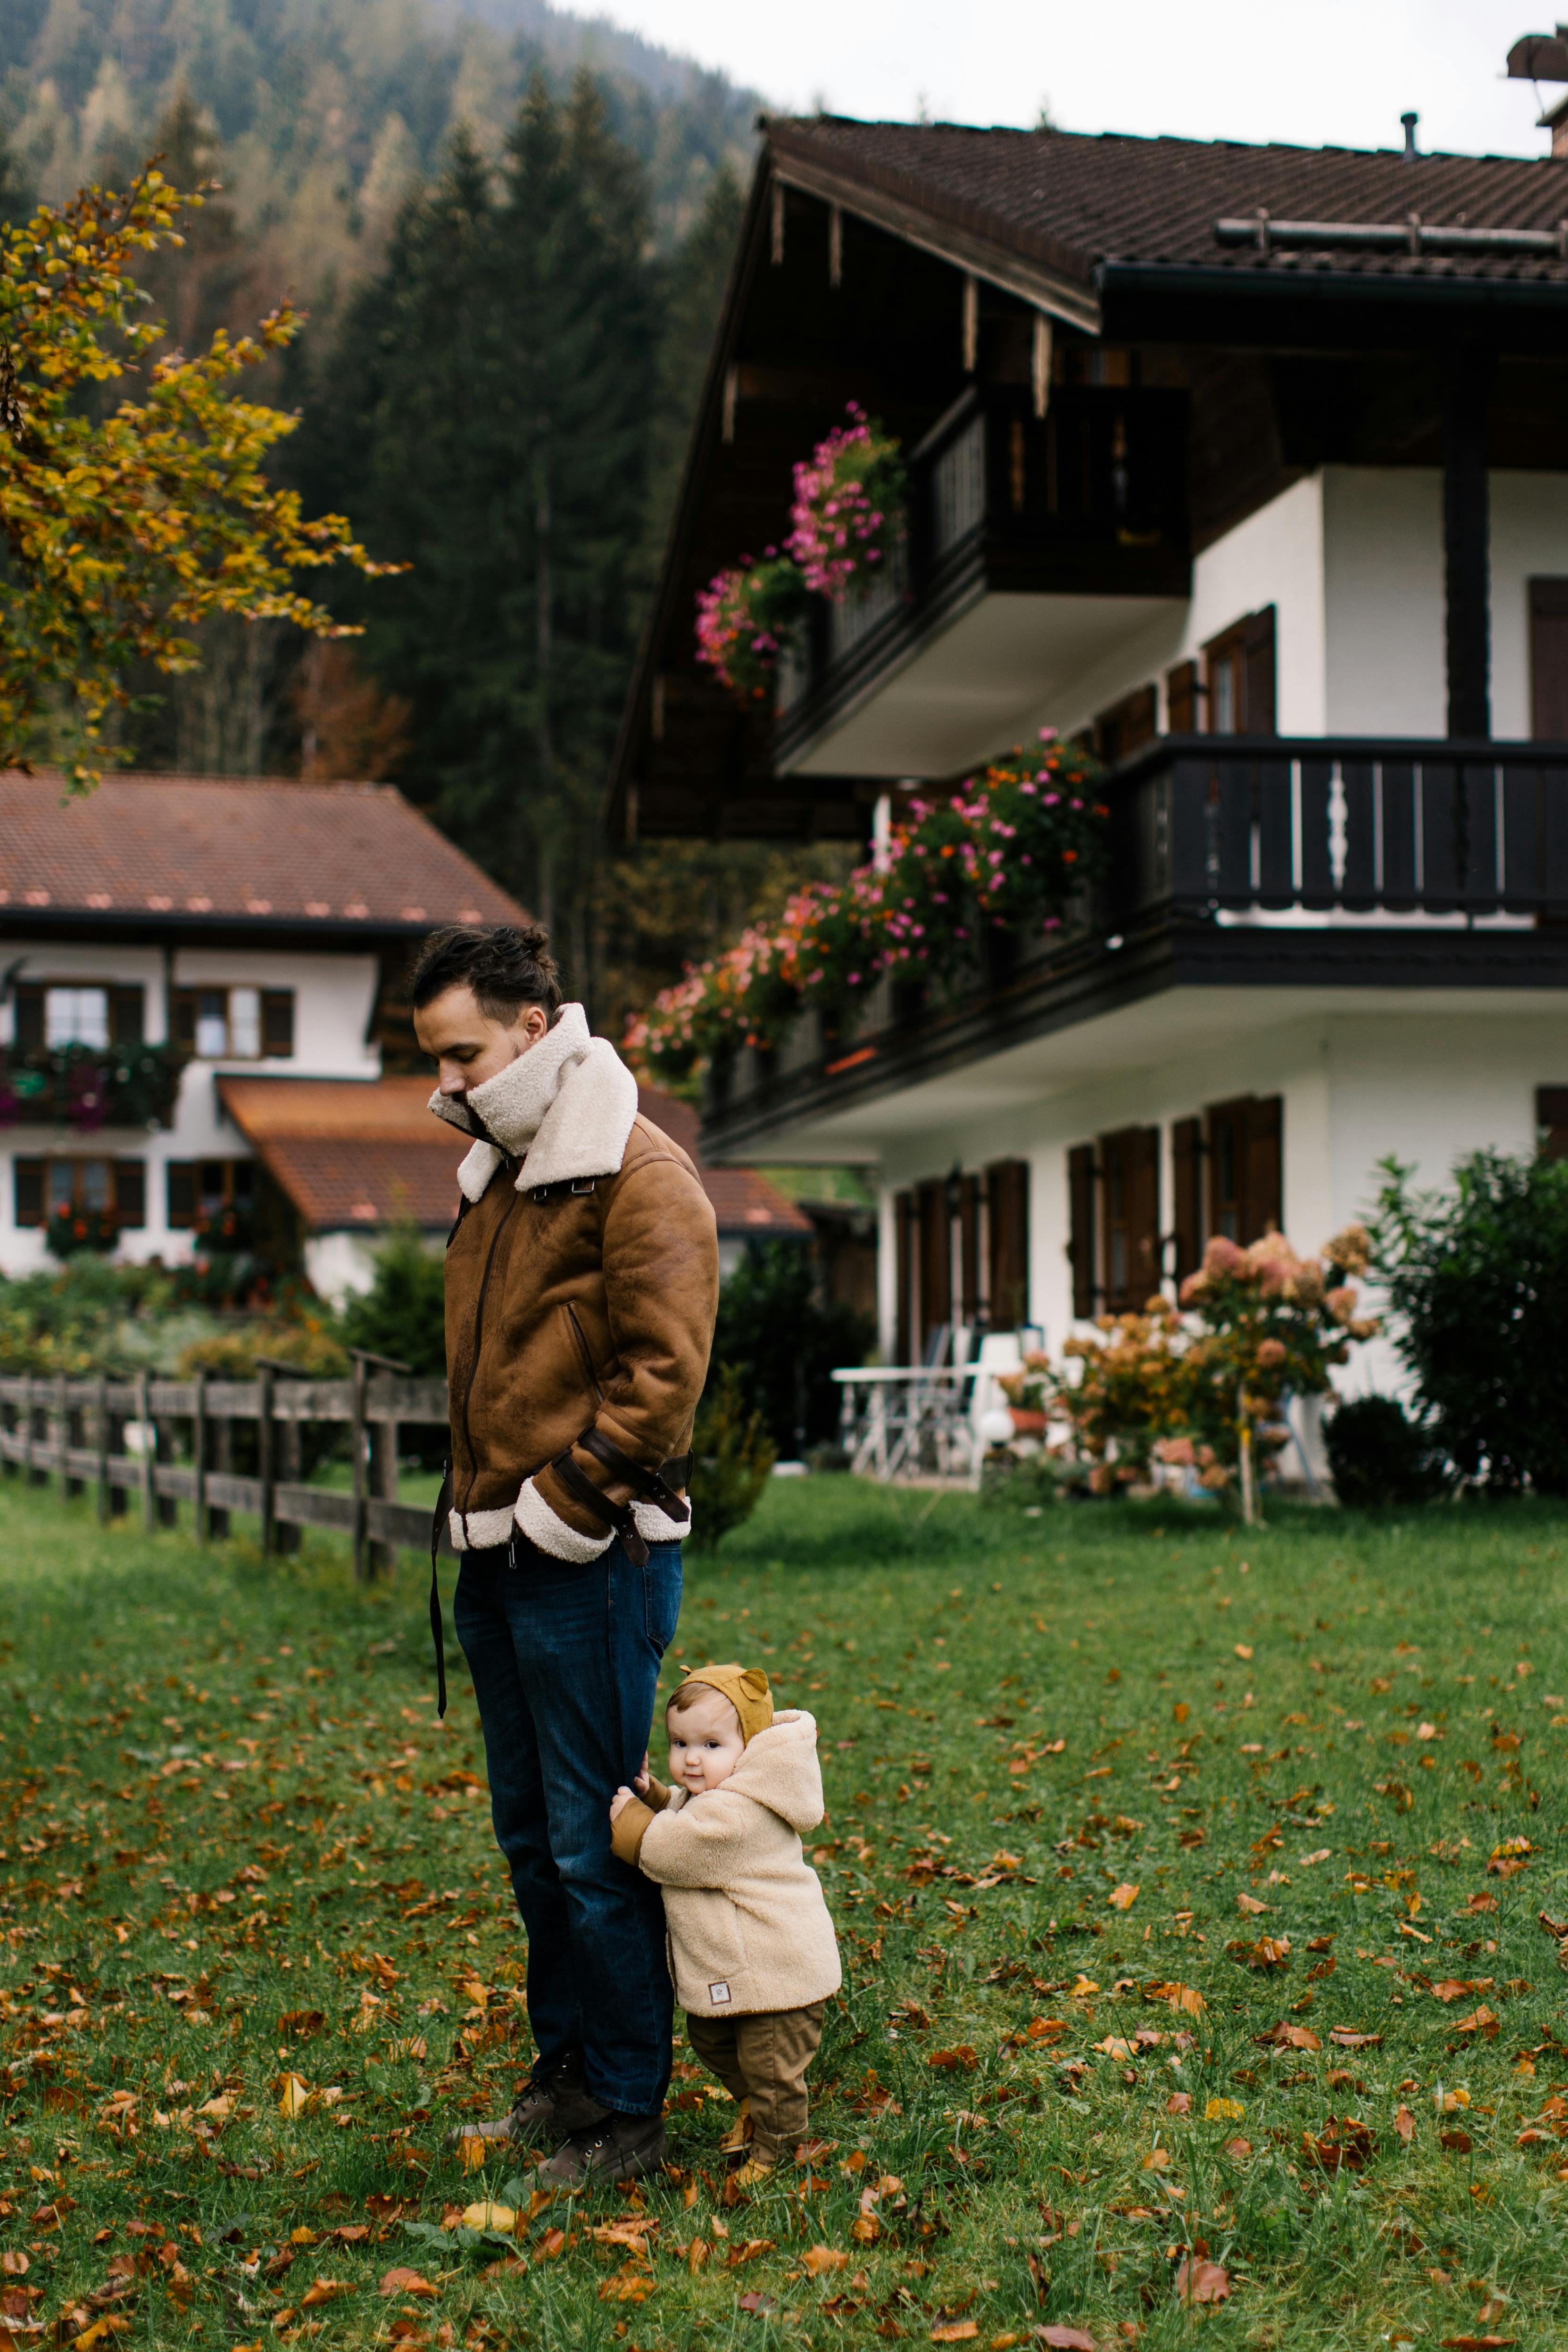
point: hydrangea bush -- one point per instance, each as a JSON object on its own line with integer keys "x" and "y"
{"x": 1180, "y": 1385}
{"x": 1006, "y": 852}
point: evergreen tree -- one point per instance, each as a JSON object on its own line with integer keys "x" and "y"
{"x": 489, "y": 428}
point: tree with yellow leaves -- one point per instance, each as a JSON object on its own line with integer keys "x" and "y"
{"x": 125, "y": 524}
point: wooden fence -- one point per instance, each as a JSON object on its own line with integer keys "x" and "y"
{"x": 174, "y": 1442}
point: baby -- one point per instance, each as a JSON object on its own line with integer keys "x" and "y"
{"x": 752, "y": 1947}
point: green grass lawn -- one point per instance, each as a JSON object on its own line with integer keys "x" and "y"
{"x": 1165, "y": 1858}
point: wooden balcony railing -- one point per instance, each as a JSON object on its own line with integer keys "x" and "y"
{"x": 1090, "y": 498}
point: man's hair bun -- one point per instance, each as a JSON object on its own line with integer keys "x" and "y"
{"x": 507, "y": 965}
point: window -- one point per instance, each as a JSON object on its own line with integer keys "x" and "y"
{"x": 204, "y": 1192}
{"x": 1551, "y": 1120}
{"x": 1244, "y": 1151}
{"x": 49, "y": 1188}
{"x": 1234, "y": 693}
{"x": 1127, "y": 725}
{"x": 49, "y": 1015}
{"x": 1113, "y": 1203}
{"x": 234, "y": 1025}
{"x": 1549, "y": 660}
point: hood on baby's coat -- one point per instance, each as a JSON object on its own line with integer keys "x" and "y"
{"x": 780, "y": 1770}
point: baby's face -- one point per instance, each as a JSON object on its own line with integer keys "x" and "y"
{"x": 705, "y": 1743}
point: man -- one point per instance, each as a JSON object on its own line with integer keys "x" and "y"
{"x": 582, "y": 1283}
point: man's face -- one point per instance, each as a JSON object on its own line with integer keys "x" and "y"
{"x": 467, "y": 1046}
{"x": 705, "y": 1743}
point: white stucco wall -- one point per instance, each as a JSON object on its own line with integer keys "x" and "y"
{"x": 1383, "y": 571}
{"x": 1355, "y": 1087}
{"x": 333, "y": 998}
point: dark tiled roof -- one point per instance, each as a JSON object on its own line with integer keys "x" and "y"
{"x": 746, "y": 1206}
{"x": 231, "y": 848}
{"x": 1068, "y": 202}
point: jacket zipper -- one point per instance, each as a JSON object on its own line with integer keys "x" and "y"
{"x": 479, "y": 1342}
{"x": 583, "y": 1349}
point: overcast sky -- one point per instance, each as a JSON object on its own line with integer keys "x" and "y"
{"x": 1332, "y": 73}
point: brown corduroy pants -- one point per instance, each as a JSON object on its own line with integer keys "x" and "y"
{"x": 763, "y": 2058}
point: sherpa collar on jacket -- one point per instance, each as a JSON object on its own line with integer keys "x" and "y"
{"x": 564, "y": 1108}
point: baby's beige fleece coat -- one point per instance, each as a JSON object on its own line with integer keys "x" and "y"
{"x": 748, "y": 1928}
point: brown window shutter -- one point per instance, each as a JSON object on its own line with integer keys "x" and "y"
{"x": 182, "y": 1182}
{"x": 1187, "y": 1175}
{"x": 1080, "y": 1230}
{"x": 1182, "y": 700}
{"x": 903, "y": 1245}
{"x": 1143, "y": 1215}
{"x": 1126, "y": 726}
{"x": 182, "y": 1019}
{"x": 30, "y": 1020}
{"x": 131, "y": 1191}
{"x": 969, "y": 1248}
{"x": 126, "y": 1026}
{"x": 1129, "y": 1212}
{"x": 1257, "y": 670}
{"x": 1008, "y": 1201}
{"x": 278, "y": 1022}
{"x": 1263, "y": 1207}
{"x": 1551, "y": 1120}
{"x": 935, "y": 1261}
{"x": 27, "y": 1181}
{"x": 1549, "y": 660}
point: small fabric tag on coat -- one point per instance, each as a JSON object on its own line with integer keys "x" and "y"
{"x": 719, "y": 1994}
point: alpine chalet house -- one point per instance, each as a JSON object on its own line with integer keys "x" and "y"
{"x": 1249, "y": 464}
{"x": 199, "y": 976}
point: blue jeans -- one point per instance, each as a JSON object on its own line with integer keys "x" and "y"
{"x": 565, "y": 1659}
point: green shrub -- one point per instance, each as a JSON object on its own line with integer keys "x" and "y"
{"x": 1378, "y": 1456}
{"x": 1478, "y": 1279}
{"x": 783, "y": 1346}
{"x": 733, "y": 1459}
{"x": 403, "y": 1313}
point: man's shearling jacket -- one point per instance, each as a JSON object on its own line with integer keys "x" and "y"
{"x": 582, "y": 1285}
{"x": 748, "y": 1930}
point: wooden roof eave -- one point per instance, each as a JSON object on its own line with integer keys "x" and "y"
{"x": 1062, "y": 286}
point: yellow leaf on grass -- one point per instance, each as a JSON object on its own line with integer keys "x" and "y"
{"x": 474, "y": 2151}
{"x": 819, "y": 2259}
{"x": 485, "y": 2216}
{"x": 1122, "y": 1897}
{"x": 633, "y": 2282}
{"x": 1113, "y": 2046}
{"x": 1224, "y": 2111}
{"x": 1244, "y": 1649}
{"x": 1157, "y": 2160}
{"x": 1249, "y": 1902}
{"x": 957, "y": 2331}
{"x": 294, "y": 2095}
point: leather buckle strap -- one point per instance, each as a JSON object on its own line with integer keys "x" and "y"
{"x": 616, "y": 1517}
{"x": 647, "y": 1482}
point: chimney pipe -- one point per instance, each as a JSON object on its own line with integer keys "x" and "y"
{"x": 1411, "y": 149}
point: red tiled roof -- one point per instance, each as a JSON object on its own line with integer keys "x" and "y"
{"x": 361, "y": 1153}
{"x": 1067, "y": 200}
{"x": 744, "y": 1203}
{"x": 350, "y": 1152}
{"x": 234, "y": 849}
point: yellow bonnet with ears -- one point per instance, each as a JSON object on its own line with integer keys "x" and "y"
{"x": 746, "y": 1687}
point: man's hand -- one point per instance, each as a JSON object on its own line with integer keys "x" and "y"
{"x": 640, "y": 1778}
{"x": 621, "y": 1799}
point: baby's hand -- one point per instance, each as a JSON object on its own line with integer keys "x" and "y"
{"x": 622, "y": 1798}
{"x": 640, "y": 1778}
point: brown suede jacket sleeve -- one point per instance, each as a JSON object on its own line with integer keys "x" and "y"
{"x": 629, "y": 1827}
{"x": 660, "y": 1259}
